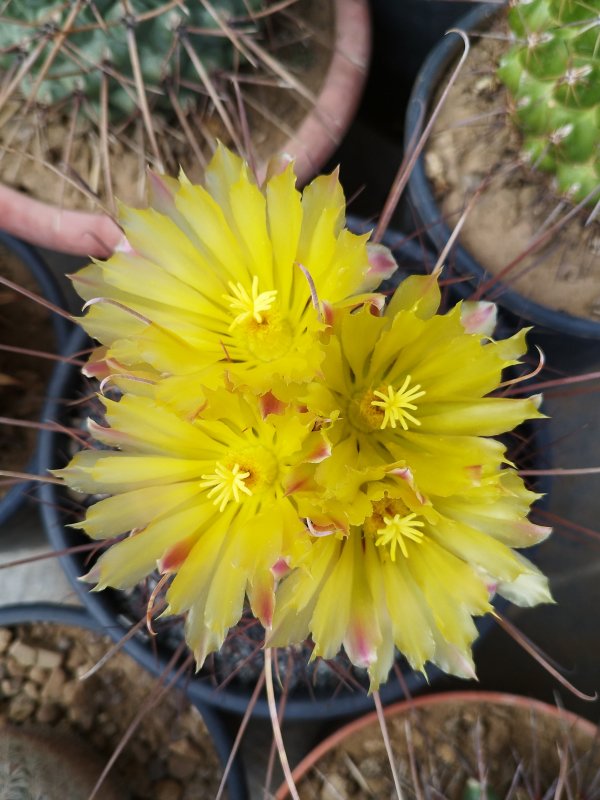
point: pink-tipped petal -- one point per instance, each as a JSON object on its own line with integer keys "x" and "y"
{"x": 92, "y": 577}
{"x": 382, "y": 263}
{"x": 280, "y": 568}
{"x": 319, "y": 453}
{"x": 269, "y": 404}
{"x": 479, "y": 317}
{"x": 261, "y": 594}
{"x": 361, "y": 645}
{"x": 175, "y": 555}
{"x": 532, "y": 533}
{"x": 98, "y": 367}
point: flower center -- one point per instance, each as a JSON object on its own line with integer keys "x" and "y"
{"x": 244, "y": 472}
{"x": 397, "y": 530}
{"x": 395, "y": 404}
{"x": 376, "y": 409}
{"x": 226, "y": 484}
{"x": 392, "y": 524}
{"x": 249, "y": 306}
{"x": 267, "y": 340}
{"x": 261, "y": 328}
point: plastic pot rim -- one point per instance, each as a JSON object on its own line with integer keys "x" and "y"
{"x": 50, "y": 290}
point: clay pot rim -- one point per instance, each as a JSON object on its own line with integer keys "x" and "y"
{"x": 427, "y": 209}
{"x": 320, "y": 132}
{"x": 441, "y": 699}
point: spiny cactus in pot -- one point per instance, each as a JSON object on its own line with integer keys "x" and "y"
{"x": 516, "y": 147}
{"x": 92, "y": 92}
{"x": 459, "y": 746}
{"x": 552, "y": 72}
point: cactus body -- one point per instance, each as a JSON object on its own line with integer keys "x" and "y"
{"x": 96, "y": 41}
{"x": 552, "y": 72}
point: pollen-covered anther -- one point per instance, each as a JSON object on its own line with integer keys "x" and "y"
{"x": 249, "y": 306}
{"x": 226, "y": 484}
{"x": 396, "y": 405}
{"x": 397, "y": 530}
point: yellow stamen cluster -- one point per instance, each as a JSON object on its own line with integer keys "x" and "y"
{"x": 250, "y": 306}
{"x": 395, "y": 404}
{"x": 225, "y": 484}
{"x": 397, "y": 529}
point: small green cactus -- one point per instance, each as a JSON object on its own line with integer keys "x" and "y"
{"x": 96, "y": 43}
{"x": 552, "y": 72}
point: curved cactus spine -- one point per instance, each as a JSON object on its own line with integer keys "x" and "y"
{"x": 552, "y": 73}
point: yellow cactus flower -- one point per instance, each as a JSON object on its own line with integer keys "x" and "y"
{"x": 210, "y": 501}
{"x": 410, "y": 388}
{"x": 226, "y": 279}
{"x": 412, "y": 576}
{"x": 283, "y": 437}
{"x": 420, "y": 506}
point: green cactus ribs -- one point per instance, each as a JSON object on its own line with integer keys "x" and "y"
{"x": 552, "y": 73}
{"x": 54, "y": 49}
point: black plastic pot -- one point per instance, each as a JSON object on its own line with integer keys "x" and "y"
{"x": 104, "y": 606}
{"x": 50, "y": 290}
{"x": 432, "y": 75}
{"x": 79, "y": 617}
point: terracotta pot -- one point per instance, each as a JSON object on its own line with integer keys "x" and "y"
{"x": 315, "y": 140}
{"x": 548, "y": 725}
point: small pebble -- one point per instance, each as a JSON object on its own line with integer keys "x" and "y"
{"x": 14, "y": 669}
{"x": 184, "y": 747}
{"x": 48, "y": 713}
{"x": 48, "y": 659}
{"x": 82, "y": 716}
{"x": 69, "y": 692}
{"x": 334, "y": 788}
{"x": 5, "y": 639}
{"x": 38, "y": 675}
{"x": 22, "y": 653}
{"x": 54, "y": 684}
{"x": 9, "y": 687}
{"x": 21, "y": 708}
{"x": 446, "y": 753}
{"x": 31, "y": 689}
{"x": 168, "y": 789}
{"x": 180, "y": 767}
